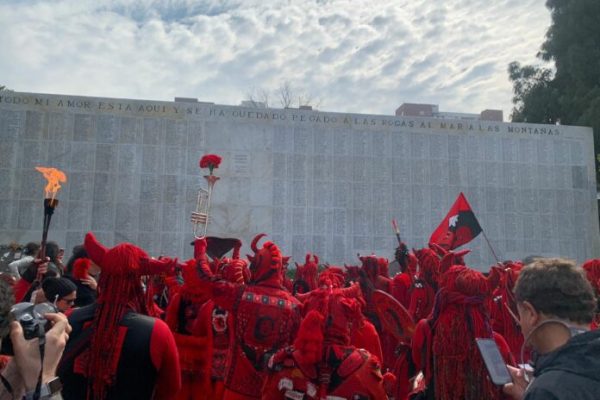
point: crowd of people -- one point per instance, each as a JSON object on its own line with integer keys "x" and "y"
{"x": 124, "y": 325}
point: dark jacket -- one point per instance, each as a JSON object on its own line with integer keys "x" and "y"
{"x": 569, "y": 372}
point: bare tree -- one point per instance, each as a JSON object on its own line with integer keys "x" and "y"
{"x": 258, "y": 98}
{"x": 307, "y": 100}
{"x": 285, "y": 94}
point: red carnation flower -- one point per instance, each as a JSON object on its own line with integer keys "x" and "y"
{"x": 210, "y": 161}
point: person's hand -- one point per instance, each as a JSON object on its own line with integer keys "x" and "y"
{"x": 41, "y": 265}
{"x": 515, "y": 389}
{"x": 8, "y": 278}
{"x": 200, "y": 246}
{"x": 38, "y": 296}
{"x": 27, "y": 352}
{"x": 91, "y": 282}
{"x": 60, "y": 256}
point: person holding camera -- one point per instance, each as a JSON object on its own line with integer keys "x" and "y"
{"x": 31, "y": 373}
{"x": 556, "y": 305}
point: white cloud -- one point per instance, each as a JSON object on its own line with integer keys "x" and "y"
{"x": 356, "y": 56}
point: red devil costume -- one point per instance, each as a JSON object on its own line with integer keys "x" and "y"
{"x": 444, "y": 346}
{"x": 364, "y": 335}
{"x": 503, "y": 308}
{"x": 424, "y": 286}
{"x": 322, "y": 363}
{"x": 266, "y": 316}
{"x": 592, "y": 272}
{"x": 182, "y": 314}
{"x": 115, "y": 351}
{"x": 307, "y": 275}
{"x": 402, "y": 282}
{"x": 216, "y": 324}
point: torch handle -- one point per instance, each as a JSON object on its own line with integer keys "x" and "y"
{"x": 49, "y": 206}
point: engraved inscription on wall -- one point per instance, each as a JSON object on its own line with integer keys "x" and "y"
{"x": 324, "y": 182}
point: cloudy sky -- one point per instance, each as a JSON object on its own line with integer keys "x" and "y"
{"x": 348, "y": 55}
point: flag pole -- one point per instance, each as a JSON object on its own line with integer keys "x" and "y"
{"x": 490, "y": 246}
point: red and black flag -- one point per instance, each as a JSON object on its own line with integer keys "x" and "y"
{"x": 460, "y": 226}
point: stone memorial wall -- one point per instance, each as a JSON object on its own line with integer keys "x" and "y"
{"x": 329, "y": 183}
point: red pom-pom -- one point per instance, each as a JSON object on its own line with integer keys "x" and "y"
{"x": 210, "y": 161}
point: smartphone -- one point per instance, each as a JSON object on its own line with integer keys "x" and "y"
{"x": 493, "y": 361}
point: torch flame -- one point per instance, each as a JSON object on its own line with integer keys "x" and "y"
{"x": 53, "y": 176}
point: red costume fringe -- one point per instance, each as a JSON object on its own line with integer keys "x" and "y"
{"x": 458, "y": 368}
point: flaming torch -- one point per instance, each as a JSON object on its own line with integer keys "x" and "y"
{"x": 200, "y": 216}
{"x": 54, "y": 177}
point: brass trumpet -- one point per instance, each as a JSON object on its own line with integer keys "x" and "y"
{"x": 200, "y": 217}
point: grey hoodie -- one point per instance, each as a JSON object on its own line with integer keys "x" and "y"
{"x": 570, "y": 372}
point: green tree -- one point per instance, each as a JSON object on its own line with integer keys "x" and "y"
{"x": 569, "y": 91}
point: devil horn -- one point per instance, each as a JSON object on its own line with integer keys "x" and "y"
{"x": 94, "y": 248}
{"x": 316, "y": 258}
{"x": 352, "y": 291}
{"x": 307, "y": 258}
{"x": 438, "y": 249}
{"x": 254, "y": 243}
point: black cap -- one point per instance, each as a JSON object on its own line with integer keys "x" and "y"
{"x": 57, "y": 288}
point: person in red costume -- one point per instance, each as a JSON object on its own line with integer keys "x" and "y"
{"x": 216, "y": 324}
{"x": 370, "y": 279}
{"x": 383, "y": 267}
{"x": 402, "y": 282}
{"x": 322, "y": 363}
{"x": 266, "y": 316}
{"x": 503, "y": 308}
{"x": 592, "y": 272}
{"x": 371, "y": 266}
{"x": 444, "y": 346}
{"x": 181, "y": 315}
{"x": 424, "y": 286}
{"x": 115, "y": 350}
{"x": 364, "y": 335}
{"x": 307, "y": 275}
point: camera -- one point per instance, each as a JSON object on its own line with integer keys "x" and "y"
{"x": 31, "y": 318}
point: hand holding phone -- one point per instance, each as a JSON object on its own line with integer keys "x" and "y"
{"x": 493, "y": 361}
{"x": 516, "y": 389}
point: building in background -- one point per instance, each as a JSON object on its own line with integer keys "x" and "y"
{"x": 321, "y": 182}
{"x": 433, "y": 111}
